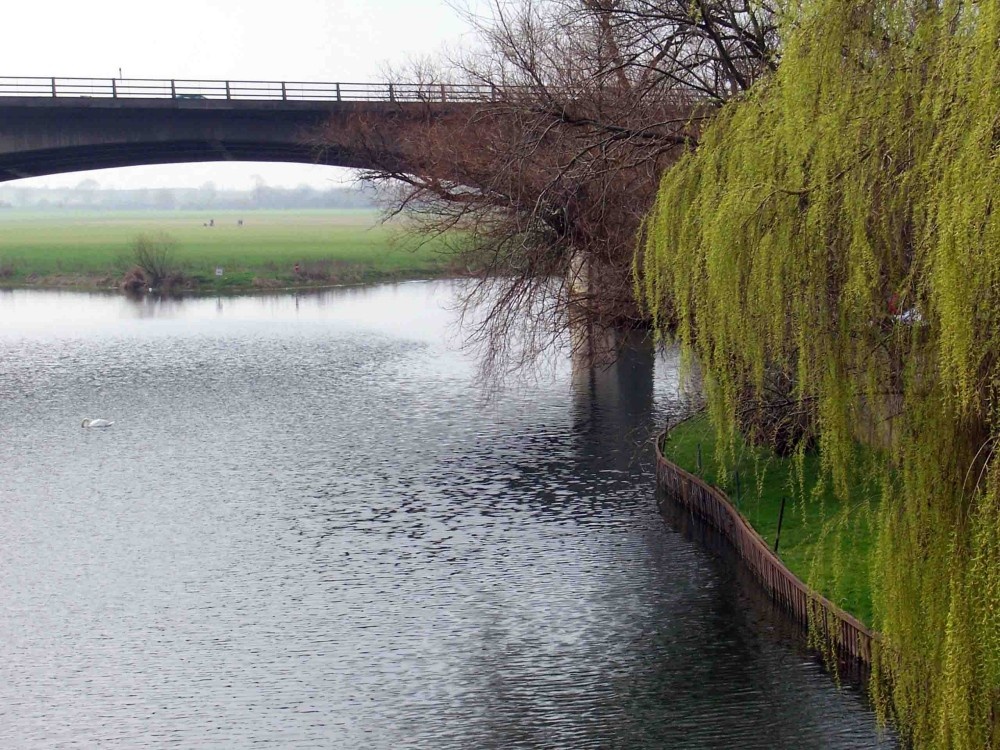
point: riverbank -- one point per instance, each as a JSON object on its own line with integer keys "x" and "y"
{"x": 825, "y": 542}
{"x": 89, "y": 250}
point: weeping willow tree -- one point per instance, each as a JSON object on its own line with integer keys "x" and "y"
{"x": 839, "y": 224}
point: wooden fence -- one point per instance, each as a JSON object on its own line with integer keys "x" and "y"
{"x": 838, "y": 631}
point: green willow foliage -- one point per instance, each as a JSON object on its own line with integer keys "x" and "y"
{"x": 839, "y": 224}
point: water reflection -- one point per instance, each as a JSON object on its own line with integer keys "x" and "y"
{"x": 307, "y": 529}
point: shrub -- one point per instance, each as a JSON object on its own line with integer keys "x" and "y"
{"x": 155, "y": 255}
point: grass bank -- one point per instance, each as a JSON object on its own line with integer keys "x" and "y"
{"x": 79, "y": 249}
{"x": 826, "y": 542}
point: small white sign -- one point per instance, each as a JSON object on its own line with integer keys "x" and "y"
{"x": 218, "y": 270}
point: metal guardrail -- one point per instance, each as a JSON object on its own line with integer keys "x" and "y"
{"x": 153, "y": 88}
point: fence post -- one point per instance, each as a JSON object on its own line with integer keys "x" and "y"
{"x": 227, "y": 89}
{"x": 392, "y": 93}
{"x": 781, "y": 516}
{"x": 53, "y": 87}
{"x": 114, "y": 89}
{"x": 338, "y": 92}
{"x": 284, "y": 94}
{"x": 173, "y": 89}
{"x": 444, "y": 94}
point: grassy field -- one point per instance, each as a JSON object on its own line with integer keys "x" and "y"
{"x": 819, "y": 534}
{"x": 93, "y": 249}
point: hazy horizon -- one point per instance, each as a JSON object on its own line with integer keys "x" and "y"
{"x": 89, "y": 195}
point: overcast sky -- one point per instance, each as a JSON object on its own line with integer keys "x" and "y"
{"x": 305, "y": 40}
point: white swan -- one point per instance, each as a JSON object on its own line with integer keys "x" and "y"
{"x": 96, "y": 423}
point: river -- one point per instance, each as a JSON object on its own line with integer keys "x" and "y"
{"x": 308, "y": 529}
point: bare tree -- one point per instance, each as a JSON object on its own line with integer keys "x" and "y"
{"x": 155, "y": 254}
{"x": 543, "y": 185}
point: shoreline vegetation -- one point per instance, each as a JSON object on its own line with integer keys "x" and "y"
{"x": 91, "y": 250}
{"x": 827, "y": 543}
{"x": 830, "y": 254}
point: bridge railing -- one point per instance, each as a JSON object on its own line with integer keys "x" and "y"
{"x": 154, "y": 88}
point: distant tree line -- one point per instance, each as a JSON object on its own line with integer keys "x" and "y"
{"x": 89, "y": 195}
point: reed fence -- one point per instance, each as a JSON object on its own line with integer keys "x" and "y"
{"x": 838, "y": 630}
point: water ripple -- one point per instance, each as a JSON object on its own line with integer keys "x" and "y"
{"x": 307, "y": 529}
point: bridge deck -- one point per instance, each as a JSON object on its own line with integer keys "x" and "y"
{"x": 53, "y": 125}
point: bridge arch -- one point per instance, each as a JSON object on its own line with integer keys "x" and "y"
{"x": 166, "y": 123}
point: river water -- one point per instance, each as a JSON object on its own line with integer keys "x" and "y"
{"x": 308, "y": 529}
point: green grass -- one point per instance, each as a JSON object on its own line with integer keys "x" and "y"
{"x": 74, "y": 247}
{"x": 825, "y": 542}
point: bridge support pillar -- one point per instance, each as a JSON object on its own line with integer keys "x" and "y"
{"x": 613, "y": 368}
{"x": 592, "y": 341}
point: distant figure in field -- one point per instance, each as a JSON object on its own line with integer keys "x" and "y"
{"x": 239, "y": 222}
{"x": 211, "y": 222}
{"x": 297, "y": 269}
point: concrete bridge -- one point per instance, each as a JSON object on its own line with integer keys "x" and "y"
{"x": 55, "y": 125}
